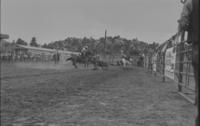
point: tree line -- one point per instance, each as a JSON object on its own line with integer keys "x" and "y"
{"x": 33, "y": 42}
{"x": 110, "y": 46}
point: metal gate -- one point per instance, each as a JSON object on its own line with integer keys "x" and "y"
{"x": 184, "y": 71}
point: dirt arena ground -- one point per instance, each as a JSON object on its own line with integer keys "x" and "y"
{"x": 62, "y": 96}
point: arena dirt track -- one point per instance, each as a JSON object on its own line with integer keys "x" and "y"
{"x": 84, "y": 97}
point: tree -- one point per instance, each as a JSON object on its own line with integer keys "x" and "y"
{"x": 51, "y": 45}
{"x": 33, "y": 42}
{"x": 45, "y": 45}
{"x": 21, "y": 42}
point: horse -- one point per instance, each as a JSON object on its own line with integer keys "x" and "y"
{"x": 84, "y": 59}
{"x": 125, "y": 62}
{"x": 75, "y": 59}
{"x": 102, "y": 64}
{"x": 98, "y": 63}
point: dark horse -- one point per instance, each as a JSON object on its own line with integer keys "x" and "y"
{"x": 75, "y": 59}
{"x": 87, "y": 58}
{"x": 84, "y": 58}
{"x": 98, "y": 63}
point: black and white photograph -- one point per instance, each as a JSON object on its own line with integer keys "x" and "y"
{"x": 99, "y": 62}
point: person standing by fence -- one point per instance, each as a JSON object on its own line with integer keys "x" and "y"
{"x": 189, "y": 22}
{"x": 56, "y": 57}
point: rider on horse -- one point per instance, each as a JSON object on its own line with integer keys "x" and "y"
{"x": 84, "y": 50}
{"x": 123, "y": 55}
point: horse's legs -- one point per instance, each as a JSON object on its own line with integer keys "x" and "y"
{"x": 124, "y": 64}
{"x": 74, "y": 64}
{"x": 95, "y": 65}
{"x": 85, "y": 65}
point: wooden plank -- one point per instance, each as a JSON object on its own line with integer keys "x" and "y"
{"x": 184, "y": 62}
{"x": 186, "y": 97}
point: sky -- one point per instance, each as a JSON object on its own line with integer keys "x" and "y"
{"x": 52, "y": 20}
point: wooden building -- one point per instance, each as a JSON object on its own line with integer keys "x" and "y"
{"x": 43, "y": 54}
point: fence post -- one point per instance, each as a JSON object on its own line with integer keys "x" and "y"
{"x": 163, "y": 67}
{"x": 181, "y": 59}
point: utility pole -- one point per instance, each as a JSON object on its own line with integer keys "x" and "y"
{"x": 105, "y": 43}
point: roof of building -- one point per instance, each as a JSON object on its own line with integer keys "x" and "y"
{"x": 4, "y": 36}
{"x": 34, "y": 48}
{"x": 45, "y": 49}
{"x": 6, "y": 46}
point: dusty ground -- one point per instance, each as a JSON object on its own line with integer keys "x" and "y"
{"x": 84, "y": 97}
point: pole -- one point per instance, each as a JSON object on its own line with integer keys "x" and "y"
{"x": 105, "y": 43}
